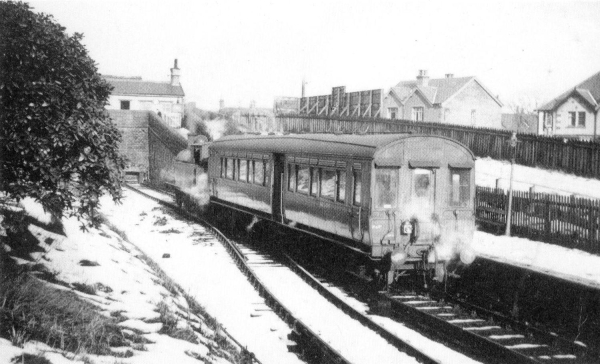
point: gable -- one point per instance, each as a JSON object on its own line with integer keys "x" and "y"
{"x": 473, "y": 89}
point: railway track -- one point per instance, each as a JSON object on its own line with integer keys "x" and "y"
{"x": 452, "y": 320}
{"x": 309, "y": 344}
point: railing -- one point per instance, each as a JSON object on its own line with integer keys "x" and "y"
{"x": 561, "y": 220}
{"x": 569, "y": 155}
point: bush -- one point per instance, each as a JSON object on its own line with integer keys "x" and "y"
{"x": 58, "y": 144}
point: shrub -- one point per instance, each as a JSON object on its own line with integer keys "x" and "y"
{"x": 57, "y": 143}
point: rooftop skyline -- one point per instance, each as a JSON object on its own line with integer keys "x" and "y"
{"x": 257, "y": 50}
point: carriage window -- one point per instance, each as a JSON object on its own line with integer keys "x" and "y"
{"x": 357, "y": 187}
{"x": 259, "y": 172}
{"x": 303, "y": 179}
{"x": 250, "y": 171}
{"x": 243, "y": 170}
{"x": 328, "y": 183}
{"x": 291, "y": 177}
{"x": 314, "y": 186}
{"x": 341, "y": 178}
{"x": 266, "y": 172}
{"x": 423, "y": 182}
{"x": 229, "y": 163}
{"x": 223, "y": 167}
{"x": 459, "y": 187}
{"x": 386, "y": 185}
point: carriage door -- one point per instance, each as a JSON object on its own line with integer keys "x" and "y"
{"x": 276, "y": 186}
{"x": 423, "y": 193}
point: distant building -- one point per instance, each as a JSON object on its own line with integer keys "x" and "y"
{"x": 460, "y": 100}
{"x": 164, "y": 98}
{"x": 574, "y": 113}
{"x": 520, "y": 122}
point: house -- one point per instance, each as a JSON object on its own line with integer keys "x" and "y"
{"x": 451, "y": 100}
{"x": 165, "y": 98}
{"x": 574, "y": 113}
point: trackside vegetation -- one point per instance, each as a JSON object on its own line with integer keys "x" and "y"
{"x": 58, "y": 144}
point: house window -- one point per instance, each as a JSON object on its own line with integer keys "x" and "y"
{"x": 417, "y": 113}
{"x": 573, "y": 118}
{"x": 581, "y": 120}
{"x": 393, "y": 112}
{"x": 125, "y": 104}
{"x": 473, "y": 117}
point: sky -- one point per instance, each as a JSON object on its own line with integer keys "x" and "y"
{"x": 525, "y": 52}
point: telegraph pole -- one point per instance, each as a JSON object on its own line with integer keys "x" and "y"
{"x": 513, "y": 150}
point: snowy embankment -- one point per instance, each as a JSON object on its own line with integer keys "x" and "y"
{"x": 102, "y": 268}
{"x": 202, "y": 266}
{"x": 570, "y": 264}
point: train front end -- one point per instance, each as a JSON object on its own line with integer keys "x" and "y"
{"x": 422, "y": 212}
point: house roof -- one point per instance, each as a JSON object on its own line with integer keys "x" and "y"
{"x": 588, "y": 90}
{"x": 437, "y": 91}
{"x": 136, "y": 86}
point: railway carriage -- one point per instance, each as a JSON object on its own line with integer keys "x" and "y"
{"x": 402, "y": 200}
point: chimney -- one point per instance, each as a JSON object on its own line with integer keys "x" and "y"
{"x": 423, "y": 78}
{"x": 252, "y": 104}
{"x": 449, "y": 75}
{"x": 175, "y": 73}
{"x": 221, "y": 104}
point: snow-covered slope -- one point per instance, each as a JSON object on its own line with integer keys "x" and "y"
{"x": 121, "y": 284}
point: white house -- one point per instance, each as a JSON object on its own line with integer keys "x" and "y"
{"x": 165, "y": 98}
{"x": 574, "y": 113}
{"x": 451, "y": 100}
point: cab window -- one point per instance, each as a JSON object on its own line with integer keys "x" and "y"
{"x": 460, "y": 187}
{"x": 423, "y": 182}
{"x": 386, "y": 187}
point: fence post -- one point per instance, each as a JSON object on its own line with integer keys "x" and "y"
{"x": 548, "y": 221}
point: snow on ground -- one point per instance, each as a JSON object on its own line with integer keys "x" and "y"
{"x": 123, "y": 283}
{"x": 202, "y": 266}
{"x": 343, "y": 333}
{"x": 488, "y": 170}
{"x": 571, "y": 264}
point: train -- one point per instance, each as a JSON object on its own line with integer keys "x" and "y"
{"x": 404, "y": 202}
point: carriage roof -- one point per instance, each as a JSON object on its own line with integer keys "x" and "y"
{"x": 355, "y": 146}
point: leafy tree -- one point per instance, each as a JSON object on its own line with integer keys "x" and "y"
{"x": 57, "y": 143}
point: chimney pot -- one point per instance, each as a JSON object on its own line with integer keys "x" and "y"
{"x": 423, "y": 78}
{"x": 175, "y": 74}
{"x": 449, "y": 75}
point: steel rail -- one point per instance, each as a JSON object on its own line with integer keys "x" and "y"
{"x": 310, "y": 344}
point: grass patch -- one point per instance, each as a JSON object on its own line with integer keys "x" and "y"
{"x": 31, "y": 310}
{"x": 170, "y": 231}
{"x": 84, "y": 287}
{"x": 88, "y": 263}
{"x": 30, "y": 359}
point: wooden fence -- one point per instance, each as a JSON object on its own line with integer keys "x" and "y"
{"x": 562, "y": 220}
{"x": 569, "y": 155}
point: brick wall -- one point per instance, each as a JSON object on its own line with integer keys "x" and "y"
{"x": 133, "y": 126}
{"x": 149, "y": 144}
